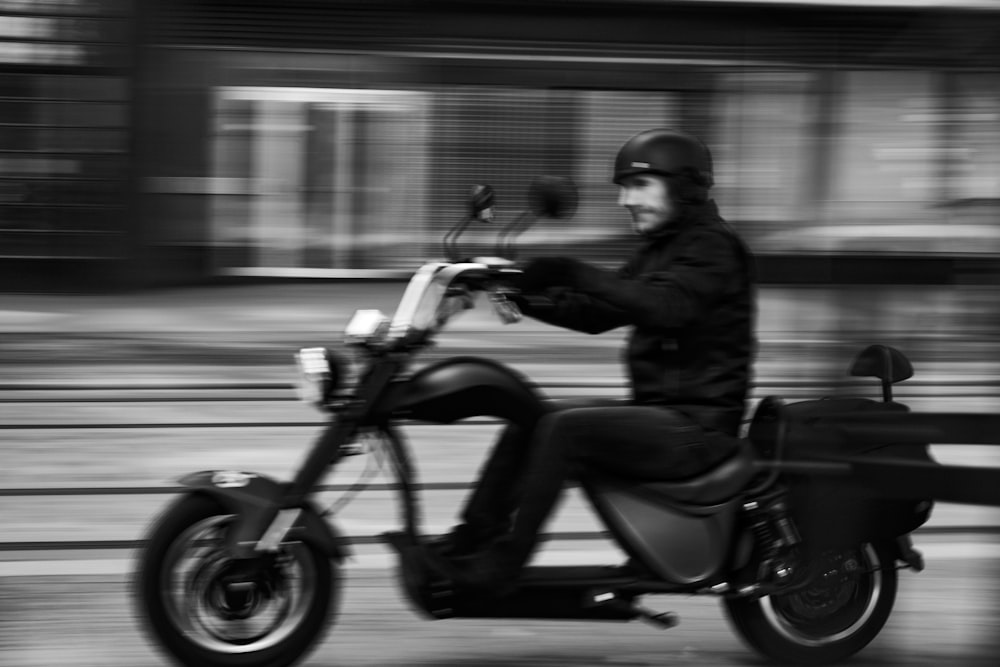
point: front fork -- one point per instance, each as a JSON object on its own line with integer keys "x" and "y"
{"x": 275, "y": 522}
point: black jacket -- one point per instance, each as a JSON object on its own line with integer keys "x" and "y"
{"x": 688, "y": 293}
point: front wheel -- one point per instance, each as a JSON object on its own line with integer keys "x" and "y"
{"x": 209, "y": 610}
{"x": 835, "y": 616}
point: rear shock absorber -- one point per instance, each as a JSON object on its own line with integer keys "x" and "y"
{"x": 776, "y": 535}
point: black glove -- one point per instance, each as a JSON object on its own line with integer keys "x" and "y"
{"x": 546, "y": 272}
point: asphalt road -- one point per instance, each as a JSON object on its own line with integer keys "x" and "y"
{"x": 943, "y": 616}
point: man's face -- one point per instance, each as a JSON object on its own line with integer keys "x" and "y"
{"x": 647, "y": 198}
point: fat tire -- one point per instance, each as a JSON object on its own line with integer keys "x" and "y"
{"x": 756, "y": 619}
{"x": 151, "y": 604}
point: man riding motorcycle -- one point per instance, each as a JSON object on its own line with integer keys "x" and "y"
{"x": 687, "y": 292}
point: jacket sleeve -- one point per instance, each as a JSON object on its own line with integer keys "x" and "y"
{"x": 575, "y": 310}
{"x": 675, "y": 295}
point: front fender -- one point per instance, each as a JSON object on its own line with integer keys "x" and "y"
{"x": 460, "y": 388}
{"x": 255, "y": 500}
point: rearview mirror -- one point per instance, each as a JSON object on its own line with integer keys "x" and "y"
{"x": 481, "y": 202}
{"x": 552, "y": 197}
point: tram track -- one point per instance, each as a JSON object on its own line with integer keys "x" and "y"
{"x": 196, "y": 409}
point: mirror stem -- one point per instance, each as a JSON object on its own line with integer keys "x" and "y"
{"x": 451, "y": 239}
{"x": 509, "y": 234}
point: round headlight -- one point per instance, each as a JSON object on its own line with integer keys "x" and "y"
{"x": 321, "y": 372}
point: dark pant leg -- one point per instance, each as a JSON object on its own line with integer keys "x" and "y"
{"x": 496, "y": 493}
{"x": 643, "y": 442}
{"x": 494, "y": 496}
{"x": 646, "y": 443}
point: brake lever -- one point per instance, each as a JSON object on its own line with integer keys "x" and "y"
{"x": 506, "y": 310}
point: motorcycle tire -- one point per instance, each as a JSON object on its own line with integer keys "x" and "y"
{"x": 832, "y": 618}
{"x": 206, "y": 610}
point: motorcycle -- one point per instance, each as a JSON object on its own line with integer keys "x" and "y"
{"x": 801, "y": 548}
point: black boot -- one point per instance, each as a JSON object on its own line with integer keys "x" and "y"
{"x": 466, "y": 540}
{"x": 493, "y": 572}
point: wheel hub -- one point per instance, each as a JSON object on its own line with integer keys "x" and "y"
{"x": 241, "y": 588}
{"x": 236, "y": 600}
{"x": 831, "y": 590}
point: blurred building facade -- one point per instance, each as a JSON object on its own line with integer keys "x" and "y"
{"x": 181, "y": 141}
{"x": 65, "y": 140}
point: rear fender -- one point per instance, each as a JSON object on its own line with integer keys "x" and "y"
{"x": 255, "y": 499}
{"x": 460, "y": 388}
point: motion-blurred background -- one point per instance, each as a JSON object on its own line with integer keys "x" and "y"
{"x": 163, "y": 142}
{"x": 166, "y": 143}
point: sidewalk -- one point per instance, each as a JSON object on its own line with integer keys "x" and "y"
{"x": 238, "y": 308}
{"x": 801, "y": 333}
{"x": 300, "y": 305}
{"x": 236, "y": 333}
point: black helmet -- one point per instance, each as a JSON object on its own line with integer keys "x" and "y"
{"x": 668, "y": 153}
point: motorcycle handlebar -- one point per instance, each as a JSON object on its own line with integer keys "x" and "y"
{"x": 502, "y": 284}
{"x": 498, "y": 277}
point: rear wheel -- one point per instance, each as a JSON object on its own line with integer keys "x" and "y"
{"x": 840, "y": 612}
{"x": 209, "y": 610}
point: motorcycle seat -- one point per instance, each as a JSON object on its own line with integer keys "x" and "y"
{"x": 716, "y": 485}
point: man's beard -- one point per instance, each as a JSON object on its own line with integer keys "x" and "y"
{"x": 649, "y": 221}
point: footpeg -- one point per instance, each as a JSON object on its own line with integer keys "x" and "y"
{"x": 662, "y": 620}
{"x": 908, "y": 554}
